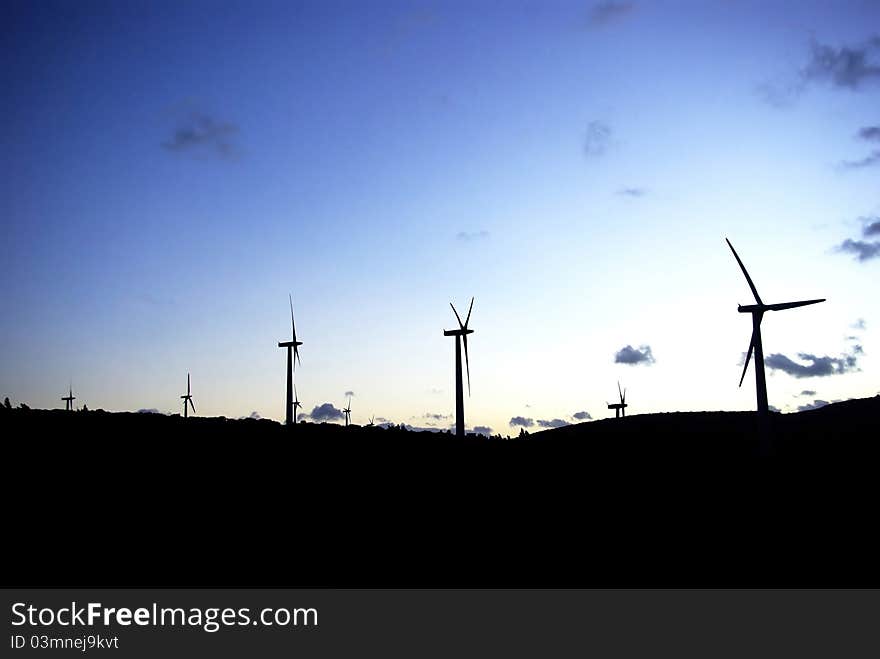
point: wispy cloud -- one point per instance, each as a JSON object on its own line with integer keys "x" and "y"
{"x": 807, "y": 392}
{"x": 205, "y": 134}
{"x": 871, "y": 159}
{"x": 604, "y": 13}
{"x": 632, "y": 192}
{"x": 860, "y": 324}
{"x": 149, "y": 410}
{"x": 349, "y": 394}
{"x": 470, "y": 236}
{"x": 598, "y": 139}
{"x": 522, "y": 421}
{"x": 633, "y": 356}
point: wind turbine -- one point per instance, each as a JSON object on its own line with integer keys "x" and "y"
{"x": 68, "y": 399}
{"x": 757, "y": 310}
{"x": 188, "y": 399}
{"x": 294, "y": 344}
{"x": 296, "y": 403}
{"x": 347, "y": 412}
{"x": 460, "y": 336}
{"x": 619, "y": 408}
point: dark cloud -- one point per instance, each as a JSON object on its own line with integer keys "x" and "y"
{"x": 470, "y": 236}
{"x": 632, "y": 192}
{"x": 581, "y": 416}
{"x": 773, "y": 408}
{"x": 632, "y": 356}
{"x": 815, "y": 405}
{"x": 552, "y": 423}
{"x": 818, "y": 366}
{"x": 255, "y": 415}
{"x": 862, "y": 249}
{"x": 807, "y": 392}
{"x": 201, "y": 132}
{"x": 522, "y": 421}
{"x": 326, "y": 412}
{"x": 598, "y": 139}
{"x": 847, "y": 67}
{"x": 871, "y": 226}
{"x": 483, "y": 430}
{"x": 607, "y": 12}
{"x": 148, "y": 410}
{"x": 870, "y": 133}
{"x": 349, "y": 393}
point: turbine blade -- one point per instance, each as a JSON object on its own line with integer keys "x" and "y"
{"x": 292, "y": 324}
{"x": 619, "y": 392}
{"x": 457, "y": 317}
{"x": 623, "y": 398}
{"x": 295, "y": 396}
{"x": 745, "y": 272}
{"x": 187, "y": 383}
{"x": 748, "y": 358}
{"x": 471, "y": 308}
{"x": 466, "y": 363}
{"x": 791, "y": 305}
{"x": 192, "y": 405}
{"x": 296, "y": 357}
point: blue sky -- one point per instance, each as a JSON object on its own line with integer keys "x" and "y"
{"x": 172, "y": 171}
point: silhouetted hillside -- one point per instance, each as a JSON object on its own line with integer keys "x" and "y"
{"x": 666, "y": 499}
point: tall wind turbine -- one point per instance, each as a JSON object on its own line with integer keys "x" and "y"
{"x": 619, "y": 408}
{"x": 460, "y": 336}
{"x": 188, "y": 399}
{"x": 757, "y": 310}
{"x": 347, "y": 412}
{"x": 294, "y": 345}
{"x": 68, "y": 399}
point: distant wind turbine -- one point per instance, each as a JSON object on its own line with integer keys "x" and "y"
{"x": 757, "y": 311}
{"x": 188, "y": 399}
{"x": 296, "y": 403}
{"x": 68, "y": 399}
{"x": 347, "y": 412}
{"x": 619, "y": 408}
{"x": 291, "y": 354}
{"x": 460, "y": 336}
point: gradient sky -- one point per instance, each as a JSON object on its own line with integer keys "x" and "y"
{"x": 172, "y": 170}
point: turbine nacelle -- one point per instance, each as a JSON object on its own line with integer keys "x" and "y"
{"x": 458, "y": 332}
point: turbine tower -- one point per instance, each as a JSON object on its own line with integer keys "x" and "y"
{"x": 460, "y": 336}
{"x": 347, "y": 412}
{"x": 619, "y": 408}
{"x": 757, "y": 310}
{"x": 291, "y": 354}
{"x": 188, "y": 399}
{"x": 68, "y": 399}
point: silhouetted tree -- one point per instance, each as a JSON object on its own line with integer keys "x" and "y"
{"x": 85, "y": 408}
{"x": 23, "y": 406}
{"x": 7, "y": 404}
